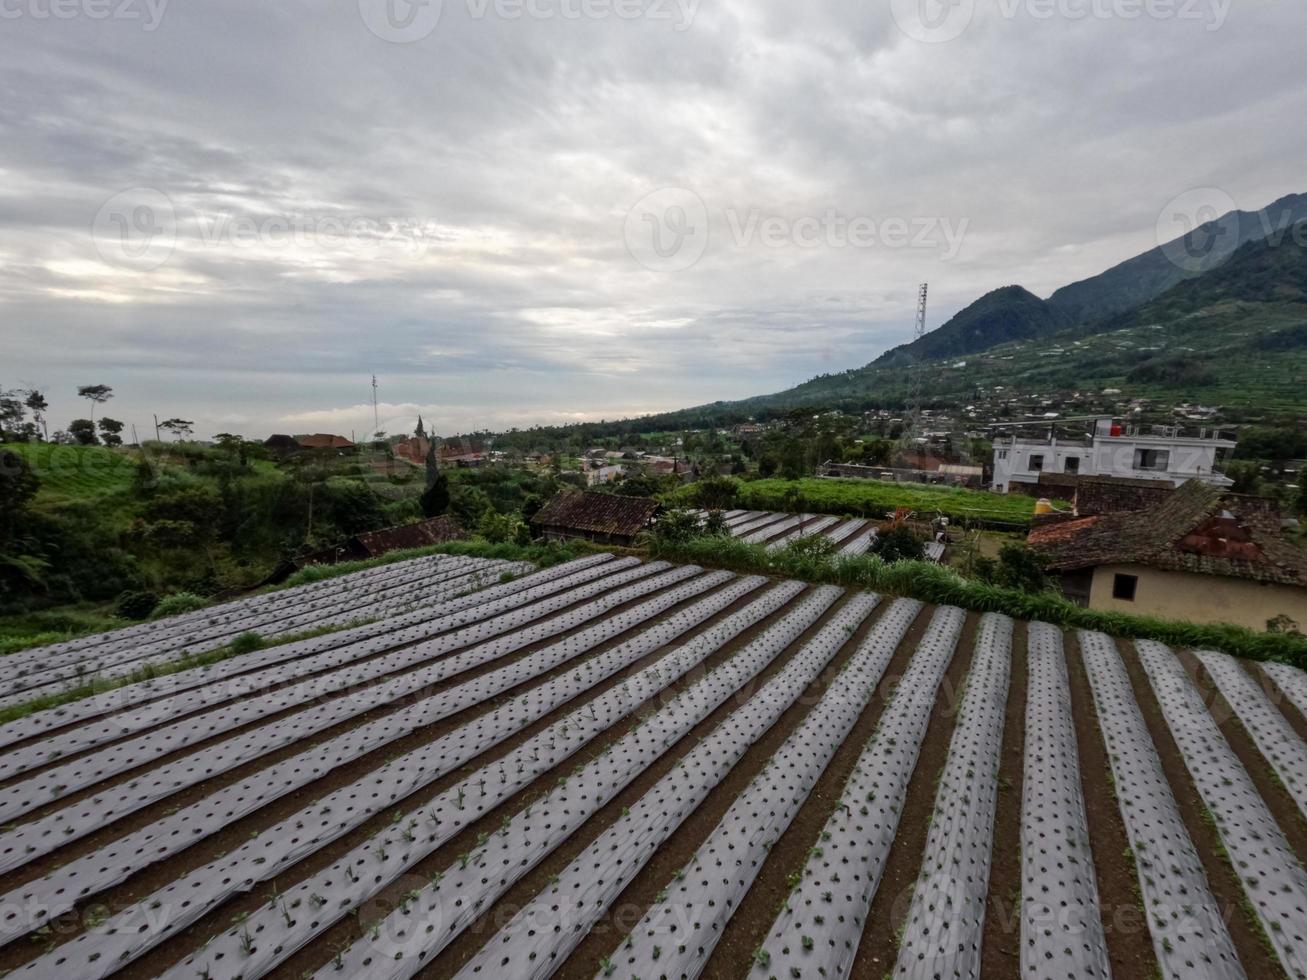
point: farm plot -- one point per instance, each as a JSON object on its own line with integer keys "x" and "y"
{"x": 852, "y": 536}
{"x": 618, "y": 768}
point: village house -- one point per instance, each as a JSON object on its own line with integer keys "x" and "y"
{"x": 1199, "y": 554}
{"x": 602, "y": 517}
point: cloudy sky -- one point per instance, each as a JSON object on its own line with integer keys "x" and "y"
{"x": 534, "y": 211}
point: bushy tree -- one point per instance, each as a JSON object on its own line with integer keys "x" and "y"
{"x": 898, "y": 544}
{"x": 83, "y": 432}
{"x": 715, "y": 493}
{"x": 95, "y": 394}
{"x": 111, "y": 431}
{"x": 676, "y": 526}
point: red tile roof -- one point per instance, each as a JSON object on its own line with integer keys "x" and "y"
{"x": 1198, "y": 528}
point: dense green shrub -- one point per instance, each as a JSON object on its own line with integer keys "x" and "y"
{"x": 137, "y": 604}
{"x": 178, "y": 603}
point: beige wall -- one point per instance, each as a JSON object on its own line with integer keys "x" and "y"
{"x": 1200, "y": 598}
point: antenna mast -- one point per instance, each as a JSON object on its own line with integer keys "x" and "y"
{"x": 376, "y": 418}
{"x": 917, "y": 370}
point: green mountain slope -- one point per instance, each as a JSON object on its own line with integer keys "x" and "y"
{"x": 1147, "y": 276}
{"x": 1010, "y": 313}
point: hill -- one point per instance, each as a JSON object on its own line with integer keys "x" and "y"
{"x": 1009, "y": 313}
{"x": 1147, "y": 276}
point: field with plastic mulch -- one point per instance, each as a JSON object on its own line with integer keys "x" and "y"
{"x": 616, "y": 768}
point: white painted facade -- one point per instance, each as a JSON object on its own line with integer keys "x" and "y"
{"x": 1132, "y": 452}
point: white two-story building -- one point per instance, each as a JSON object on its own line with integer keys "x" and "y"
{"x": 1130, "y": 451}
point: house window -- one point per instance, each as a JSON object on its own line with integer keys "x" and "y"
{"x": 1002, "y": 454}
{"x": 1153, "y": 459}
{"x": 1036, "y": 464}
{"x": 1072, "y": 465}
{"x": 1124, "y": 587}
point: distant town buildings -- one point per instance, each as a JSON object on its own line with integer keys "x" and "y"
{"x": 1116, "y": 450}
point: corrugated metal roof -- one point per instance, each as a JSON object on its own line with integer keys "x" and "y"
{"x": 600, "y": 513}
{"x": 434, "y": 530}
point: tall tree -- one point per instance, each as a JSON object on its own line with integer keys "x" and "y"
{"x": 111, "y": 431}
{"x": 180, "y": 428}
{"x": 420, "y": 431}
{"x": 435, "y": 499}
{"x": 95, "y": 394}
{"x": 38, "y": 406}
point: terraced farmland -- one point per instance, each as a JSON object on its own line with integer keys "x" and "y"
{"x": 617, "y": 768}
{"x": 852, "y": 536}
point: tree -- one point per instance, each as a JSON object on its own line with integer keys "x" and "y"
{"x": 11, "y": 415}
{"x": 898, "y": 544}
{"x": 83, "y": 432}
{"x": 95, "y": 394}
{"x": 111, "y": 431}
{"x": 180, "y": 428}
{"x": 37, "y": 405}
{"x": 420, "y": 431}
{"x": 715, "y": 493}
{"x": 435, "y": 499}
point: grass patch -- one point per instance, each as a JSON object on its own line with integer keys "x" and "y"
{"x": 34, "y": 629}
{"x": 943, "y": 586}
{"x": 874, "y": 498}
{"x": 78, "y": 471}
{"x": 241, "y": 645}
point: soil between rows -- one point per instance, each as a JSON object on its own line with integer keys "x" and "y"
{"x": 1221, "y": 878}
{"x": 878, "y": 950}
{"x": 1125, "y": 930}
{"x": 202, "y": 852}
{"x": 346, "y": 931}
{"x": 679, "y": 850}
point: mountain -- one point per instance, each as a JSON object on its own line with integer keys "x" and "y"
{"x": 1147, "y": 276}
{"x": 1010, "y": 313}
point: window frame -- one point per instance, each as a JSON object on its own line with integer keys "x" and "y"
{"x": 1123, "y": 582}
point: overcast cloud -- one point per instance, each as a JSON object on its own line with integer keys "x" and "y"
{"x": 237, "y": 211}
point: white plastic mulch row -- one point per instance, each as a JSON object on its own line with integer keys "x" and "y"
{"x": 196, "y": 620}
{"x": 771, "y": 530}
{"x": 369, "y": 639}
{"x": 678, "y": 935}
{"x": 806, "y": 529}
{"x": 945, "y": 924}
{"x": 1061, "y": 920}
{"x": 1276, "y": 739}
{"x": 251, "y": 686}
{"x": 1189, "y": 935}
{"x": 847, "y": 530}
{"x": 817, "y": 933}
{"x": 496, "y": 636}
{"x": 63, "y": 826}
{"x": 270, "y": 935}
{"x": 418, "y": 930}
{"x": 292, "y": 614}
{"x": 125, "y": 663}
{"x": 399, "y": 777}
{"x": 1290, "y": 680}
{"x": 1272, "y": 876}
{"x": 763, "y": 520}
